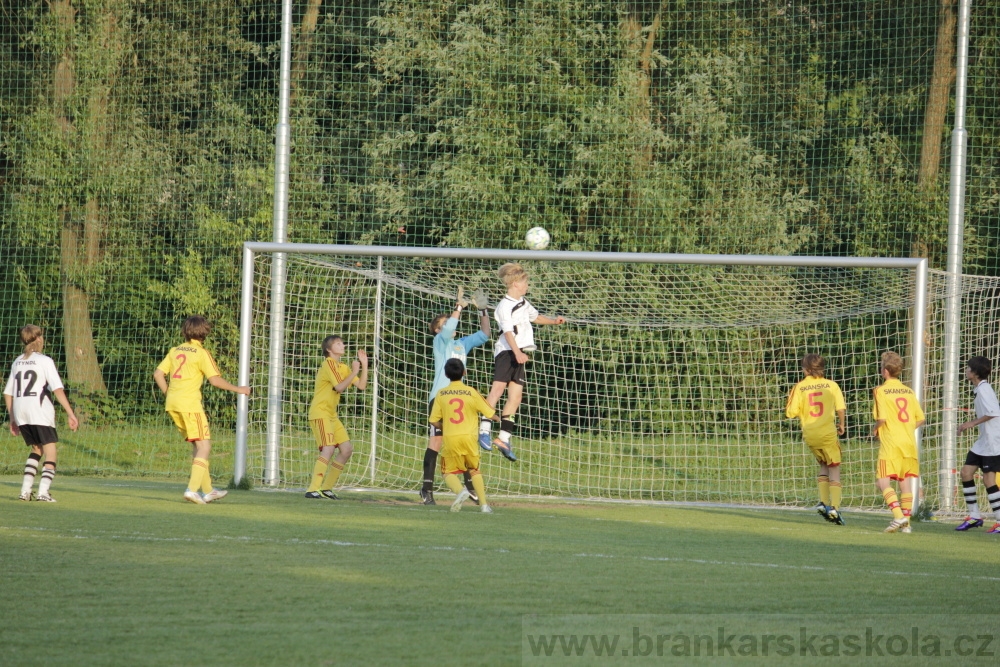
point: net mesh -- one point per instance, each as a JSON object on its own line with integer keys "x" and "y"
{"x": 667, "y": 383}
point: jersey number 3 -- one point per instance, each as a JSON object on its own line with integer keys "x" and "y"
{"x": 458, "y": 410}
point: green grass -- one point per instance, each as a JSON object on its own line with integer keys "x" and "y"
{"x": 122, "y": 571}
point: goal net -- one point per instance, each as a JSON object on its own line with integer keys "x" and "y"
{"x": 668, "y": 381}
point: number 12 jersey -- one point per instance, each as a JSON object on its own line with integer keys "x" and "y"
{"x": 31, "y": 384}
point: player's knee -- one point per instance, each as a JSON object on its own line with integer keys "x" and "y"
{"x": 346, "y": 449}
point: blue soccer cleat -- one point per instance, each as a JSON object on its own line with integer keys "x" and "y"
{"x": 505, "y": 449}
{"x": 484, "y": 442}
{"x": 969, "y": 523}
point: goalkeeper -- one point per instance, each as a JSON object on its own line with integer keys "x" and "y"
{"x": 815, "y": 400}
{"x": 444, "y": 328}
{"x": 454, "y": 410}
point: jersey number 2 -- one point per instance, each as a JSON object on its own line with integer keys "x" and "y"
{"x": 458, "y": 410}
{"x": 819, "y": 411}
{"x": 183, "y": 359}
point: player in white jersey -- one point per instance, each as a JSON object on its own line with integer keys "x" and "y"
{"x": 985, "y": 453}
{"x": 33, "y": 382}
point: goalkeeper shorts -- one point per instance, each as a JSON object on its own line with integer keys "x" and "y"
{"x": 328, "y": 432}
{"x": 193, "y": 425}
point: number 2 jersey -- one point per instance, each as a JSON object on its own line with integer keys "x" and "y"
{"x": 186, "y": 367}
{"x": 898, "y": 406}
{"x": 815, "y": 402}
{"x": 31, "y": 384}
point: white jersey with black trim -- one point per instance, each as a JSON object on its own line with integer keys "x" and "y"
{"x": 515, "y": 315}
{"x": 31, "y": 384}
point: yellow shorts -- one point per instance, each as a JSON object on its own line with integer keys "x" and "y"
{"x": 453, "y": 462}
{"x": 194, "y": 425}
{"x": 328, "y": 432}
{"x": 897, "y": 468}
{"x": 829, "y": 455}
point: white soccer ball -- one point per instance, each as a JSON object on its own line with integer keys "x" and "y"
{"x": 537, "y": 238}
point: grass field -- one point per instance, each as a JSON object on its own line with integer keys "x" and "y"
{"x": 122, "y": 572}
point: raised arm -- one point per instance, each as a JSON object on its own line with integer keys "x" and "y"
{"x": 542, "y": 319}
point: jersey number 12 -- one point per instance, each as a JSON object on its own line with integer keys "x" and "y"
{"x": 30, "y": 377}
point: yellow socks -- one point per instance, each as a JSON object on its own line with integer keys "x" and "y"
{"x": 206, "y": 479}
{"x": 332, "y": 475}
{"x": 893, "y": 502}
{"x": 480, "y": 487}
{"x": 823, "y": 482}
{"x": 835, "y": 494}
{"x": 454, "y": 482}
{"x": 199, "y": 469}
{"x": 906, "y": 503}
{"x": 319, "y": 469}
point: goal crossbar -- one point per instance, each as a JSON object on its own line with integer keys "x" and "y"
{"x": 277, "y": 332}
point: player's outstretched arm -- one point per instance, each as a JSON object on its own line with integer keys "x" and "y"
{"x": 161, "y": 380}
{"x": 14, "y": 430}
{"x": 363, "y": 377}
{"x": 71, "y": 416}
{"x": 543, "y": 319}
{"x": 217, "y": 382}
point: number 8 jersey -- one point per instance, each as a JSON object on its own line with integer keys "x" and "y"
{"x": 898, "y": 406}
{"x": 31, "y": 384}
{"x": 186, "y": 367}
{"x": 815, "y": 402}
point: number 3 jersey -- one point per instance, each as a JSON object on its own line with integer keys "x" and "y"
{"x": 186, "y": 367}
{"x": 898, "y": 406}
{"x": 31, "y": 384}
{"x": 458, "y": 407}
{"x": 815, "y": 402}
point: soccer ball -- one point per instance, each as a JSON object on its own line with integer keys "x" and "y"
{"x": 537, "y": 238}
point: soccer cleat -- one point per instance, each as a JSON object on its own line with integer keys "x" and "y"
{"x": 823, "y": 510}
{"x": 484, "y": 442}
{"x": 969, "y": 523}
{"x": 215, "y": 494}
{"x": 486, "y": 509}
{"x": 459, "y": 499}
{"x": 328, "y": 494}
{"x": 45, "y": 498}
{"x": 896, "y": 525}
{"x": 473, "y": 497}
{"x": 25, "y": 496}
{"x": 313, "y": 495}
{"x": 193, "y": 497}
{"x": 428, "y": 497}
{"x": 505, "y": 449}
{"x": 995, "y": 530}
{"x": 906, "y": 530}
{"x": 834, "y": 516}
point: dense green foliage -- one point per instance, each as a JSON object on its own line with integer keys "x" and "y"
{"x": 136, "y": 144}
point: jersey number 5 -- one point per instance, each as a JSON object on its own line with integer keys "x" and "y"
{"x": 458, "y": 410}
{"x": 183, "y": 359}
{"x": 819, "y": 406}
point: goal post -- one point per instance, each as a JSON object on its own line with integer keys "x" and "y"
{"x": 619, "y": 405}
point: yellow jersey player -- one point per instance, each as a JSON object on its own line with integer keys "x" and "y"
{"x": 897, "y": 416}
{"x": 180, "y": 376}
{"x": 455, "y": 411}
{"x": 819, "y": 404}
{"x": 332, "y": 379}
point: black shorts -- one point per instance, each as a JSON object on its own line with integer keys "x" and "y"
{"x": 506, "y": 369}
{"x": 984, "y": 463}
{"x": 38, "y": 435}
{"x": 432, "y": 431}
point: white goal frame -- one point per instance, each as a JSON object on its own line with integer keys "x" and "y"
{"x": 271, "y": 475}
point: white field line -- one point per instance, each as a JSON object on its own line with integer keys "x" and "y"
{"x": 80, "y": 534}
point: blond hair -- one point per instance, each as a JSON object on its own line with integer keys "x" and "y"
{"x": 511, "y": 272}
{"x": 196, "y": 327}
{"x": 814, "y": 365}
{"x": 31, "y": 338}
{"x": 893, "y": 363}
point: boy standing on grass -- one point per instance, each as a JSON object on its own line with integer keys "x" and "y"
{"x": 454, "y": 412}
{"x": 28, "y": 394}
{"x": 446, "y": 347}
{"x": 515, "y": 316}
{"x": 985, "y": 453}
{"x": 332, "y": 379}
{"x": 814, "y": 401}
{"x": 186, "y": 367}
{"x": 897, "y": 416}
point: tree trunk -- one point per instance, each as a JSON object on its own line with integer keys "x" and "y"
{"x": 307, "y": 30}
{"x": 82, "y": 369}
{"x": 938, "y": 94}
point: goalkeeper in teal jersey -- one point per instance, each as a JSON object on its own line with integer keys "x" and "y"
{"x": 446, "y": 346}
